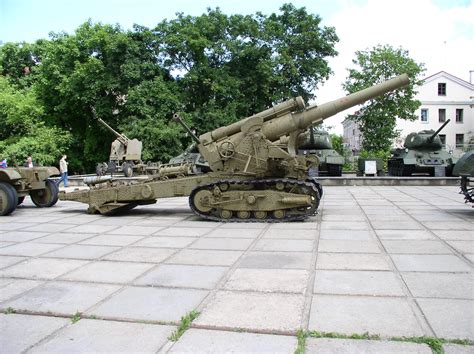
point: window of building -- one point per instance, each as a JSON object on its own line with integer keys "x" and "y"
{"x": 424, "y": 115}
{"x": 442, "y": 89}
{"x": 459, "y": 141}
{"x": 459, "y": 115}
{"x": 442, "y": 115}
{"x": 442, "y": 137}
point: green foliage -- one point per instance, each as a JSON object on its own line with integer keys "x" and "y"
{"x": 9, "y": 310}
{"x": 377, "y": 117}
{"x": 301, "y": 336}
{"x": 76, "y": 317}
{"x": 24, "y": 131}
{"x": 184, "y": 325}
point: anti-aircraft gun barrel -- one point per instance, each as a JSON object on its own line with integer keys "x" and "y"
{"x": 121, "y": 137}
{"x": 431, "y": 138}
{"x": 275, "y": 128}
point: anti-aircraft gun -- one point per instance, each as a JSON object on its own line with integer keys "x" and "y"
{"x": 251, "y": 178}
{"x": 125, "y": 154}
{"x": 422, "y": 153}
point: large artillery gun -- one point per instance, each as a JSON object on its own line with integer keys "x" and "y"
{"x": 422, "y": 153}
{"x": 252, "y": 177}
{"x": 464, "y": 168}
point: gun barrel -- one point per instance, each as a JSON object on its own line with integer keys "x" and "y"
{"x": 275, "y": 128}
{"x": 437, "y": 132}
{"x": 123, "y": 139}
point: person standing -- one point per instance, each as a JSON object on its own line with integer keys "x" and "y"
{"x": 29, "y": 162}
{"x": 63, "y": 169}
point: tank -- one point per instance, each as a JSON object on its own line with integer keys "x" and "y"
{"x": 192, "y": 156}
{"x": 318, "y": 142}
{"x": 18, "y": 182}
{"x": 464, "y": 168}
{"x": 422, "y": 153}
{"x": 251, "y": 177}
{"x": 125, "y": 154}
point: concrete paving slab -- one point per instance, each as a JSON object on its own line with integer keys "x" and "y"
{"x": 185, "y": 276}
{"x": 375, "y": 283}
{"x": 42, "y": 268}
{"x": 64, "y": 238}
{"x": 429, "y": 263}
{"x": 7, "y": 261}
{"x": 199, "y": 340}
{"x": 470, "y": 257}
{"x": 415, "y": 247}
{"x": 355, "y": 235}
{"x": 141, "y": 254}
{"x": 183, "y": 231}
{"x": 445, "y": 235}
{"x": 276, "y": 260}
{"x": 344, "y": 217}
{"x": 302, "y": 234}
{"x": 234, "y": 233}
{"x": 344, "y": 225}
{"x": 205, "y": 257}
{"x": 281, "y": 245}
{"x": 463, "y": 246}
{"x": 15, "y": 287}
{"x": 360, "y": 314}
{"x": 30, "y": 249}
{"x": 449, "y": 225}
{"x": 166, "y": 242}
{"x": 96, "y": 336}
{"x": 238, "y": 244}
{"x": 12, "y": 225}
{"x": 5, "y": 244}
{"x": 268, "y": 280}
{"x": 111, "y": 240}
{"x": 346, "y": 346}
{"x": 449, "y": 318}
{"x": 400, "y": 234}
{"x": 49, "y": 227}
{"x": 309, "y": 224}
{"x": 253, "y": 311}
{"x": 19, "y": 332}
{"x": 108, "y": 272}
{"x": 396, "y": 224}
{"x": 90, "y": 228}
{"x": 134, "y": 230}
{"x": 355, "y": 261}
{"x": 63, "y": 298}
{"x": 348, "y": 246}
{"x": 152, "y": 304}
{"x": 21, "y": 236}
{"x": 82, "y": 252}
{"x": 440, "y": 285}
{"x": 458, "y": 349}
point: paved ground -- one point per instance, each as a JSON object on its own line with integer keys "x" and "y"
{"x": 392, "y": 261}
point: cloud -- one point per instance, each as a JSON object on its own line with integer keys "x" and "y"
{"x": 441, "y": 38}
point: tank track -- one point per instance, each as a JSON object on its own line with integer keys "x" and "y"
{"x": 311, "y": 186}
{"x": 467, "y": 189}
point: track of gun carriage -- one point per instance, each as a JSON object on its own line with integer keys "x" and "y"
{"x": 467, "y": 189}
{"x": 309, "y": 187}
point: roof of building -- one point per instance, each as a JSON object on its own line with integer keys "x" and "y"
{"x": 449, "y": 76}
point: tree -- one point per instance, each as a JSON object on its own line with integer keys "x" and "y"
{"x": 24, "y": 131}
{"x": 377, "y": 117}
{"x": 230, "y": 67}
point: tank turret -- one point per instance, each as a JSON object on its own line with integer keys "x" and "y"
{"x": 425, "y": 139}
{"x": 251, "y": 178}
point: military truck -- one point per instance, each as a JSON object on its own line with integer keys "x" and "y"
{"x": 251, "y": 178}
{"x": 464, "y": 168}
{"x": 18, "y": 182}
{"x": 318, "y": 142}
{"x": 422, "y": 153}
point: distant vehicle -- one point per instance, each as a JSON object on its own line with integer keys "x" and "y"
{"x": 422, "y": 153}
{"x": 18, "y": 182}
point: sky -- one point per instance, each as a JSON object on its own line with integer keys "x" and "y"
{"x": 438, "y": 33}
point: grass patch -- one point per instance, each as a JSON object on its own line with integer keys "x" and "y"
{"x": 301, "y": 336}
{"x": 366, "y": 335}
{"x": 435, "y": 344}
{"x": 77, "y": 316}
{"x": 184, "y": 325}
{"x": 9, "y": 310}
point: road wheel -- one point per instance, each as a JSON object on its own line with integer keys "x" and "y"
{"x": 8, "y": 199}
{"x": 127, "y": 169}
{"x": 20, "y": 200}
{"x": 46, "y": 197}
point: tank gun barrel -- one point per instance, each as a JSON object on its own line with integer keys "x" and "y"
{"x": 437, "y": 132}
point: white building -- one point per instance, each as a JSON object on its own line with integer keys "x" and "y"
{"x": 442, "y": 96}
